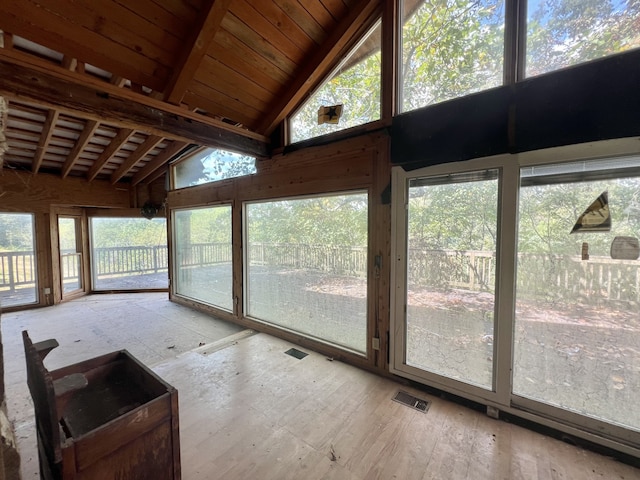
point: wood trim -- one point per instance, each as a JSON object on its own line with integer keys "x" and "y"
{"x": 84, "y": 138}
{"x": 45, "y": 138}
{"x": 184, "y": 70}
{"x": 39, "y": 82}
{"x": 320, "y": 63}
{"x": 142, "y": 150}
{"x": 157, "y": 163}
{"x": 116, "y": 144}
{"x": 390, "y": 49}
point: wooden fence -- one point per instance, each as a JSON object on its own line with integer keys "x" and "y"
{"x": 541, "y": 276}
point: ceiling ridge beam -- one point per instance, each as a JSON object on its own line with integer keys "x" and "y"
{"x": 158, "y": 162}
{"x": 82, "y": 141}
{"x": 116, "y": 144}
{"x": 320, "y": 63}
{"x": 191, "y": 57}
{"x": 45, "y": 138}
{"x": 143, "y": 149}
{"x": 24, "y": 77}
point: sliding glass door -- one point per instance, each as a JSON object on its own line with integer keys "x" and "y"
{"x": 577, "y": 324}
{"x": 518, "y": 286}
{"x": 449, "y": 264}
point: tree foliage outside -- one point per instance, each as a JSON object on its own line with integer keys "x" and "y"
{"x": 211, "y": 165}
{"x": 16, "y": 232}
{"x": 355, "y": 86}
{"x": 203, "y": 225}
{"x": 339, "y": 220}
{"x": 561, "y": 33}
{"x": 128, "y": 232}
{"x": 452, "y": 48}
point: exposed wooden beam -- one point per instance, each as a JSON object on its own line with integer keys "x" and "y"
{"x": 45, "y": 137}
{"x": 116, "y": 144}
{"x": 209, "y": 20}
{"x": 158, "y": 162}
{"x": 39, "y": 82}
{"x": 143, "y": 149}
{"x": 84, "y": 138}
{"x": 320, "y": 63}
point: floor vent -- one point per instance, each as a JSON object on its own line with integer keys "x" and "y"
{"x": 411, "y": 401}
{"x": 296, "y": 353}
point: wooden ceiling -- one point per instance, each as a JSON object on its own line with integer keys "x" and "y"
{"x": 114, "y": 89}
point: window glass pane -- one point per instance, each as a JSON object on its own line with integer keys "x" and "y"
{"x": 70, "y": 254}
{"x": 577, "y": 328}
{"x": 451, "y": 253}
{"x": 307, "y": 267}
{"x": 18, "y": 278}
{"x": 354, "y": 87}
{"x": 450, "y": 48}
{"x": 207, "y": 165}
{"x": 561, "y": 33}
{"x": 129, "y": 253}
{"x": 203, "y": 255}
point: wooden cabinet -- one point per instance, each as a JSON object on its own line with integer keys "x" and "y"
{"x": 109, "y": 417}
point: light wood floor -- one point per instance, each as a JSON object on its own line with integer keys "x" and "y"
{"x": 248, "y": 411}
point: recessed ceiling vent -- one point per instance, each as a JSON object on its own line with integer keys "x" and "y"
{"x": 411, "y": 401}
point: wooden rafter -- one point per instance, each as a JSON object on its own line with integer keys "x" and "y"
{"x": 84, "y": 138}
{"x": 116, "y": 144}
{"x": 45, "y": 138}
{"x": 195, "y": 50}
{"x": 142, "y": 150}
{"x": 40, "y": 83}
{"x": 320, "y": 63}
{"x": 158, "y": 162}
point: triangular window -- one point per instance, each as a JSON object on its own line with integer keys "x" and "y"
{"x": 350, "y": 95}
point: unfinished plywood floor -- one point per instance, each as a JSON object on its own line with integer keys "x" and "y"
{"x": 248, "y": 411}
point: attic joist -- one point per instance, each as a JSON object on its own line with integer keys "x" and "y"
{"x": 140, "y": 152}
{"x": 191, "y": 57}
{"x": 158, "y": 162}
{"x": 78, "y": 95}
{"x": 116, "y": 144}
{"x": 84, "y": 138}
{"x": 45, "y": 138}
{"x": 320, "y": 63}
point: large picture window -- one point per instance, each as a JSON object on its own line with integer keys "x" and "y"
{"x": 129, "y": 253}
{"x": 306, "y": 267}
{"x": 203, "y": 267}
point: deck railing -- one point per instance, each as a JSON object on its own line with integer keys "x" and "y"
{"x": 542, "y": 276}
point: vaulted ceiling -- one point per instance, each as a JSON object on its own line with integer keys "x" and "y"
{"x": 114, "y": 89}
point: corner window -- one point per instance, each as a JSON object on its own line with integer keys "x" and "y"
{"x": 349, "y": 97}
{"x": 203, "y": 259}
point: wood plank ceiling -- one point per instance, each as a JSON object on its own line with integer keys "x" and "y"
{"x": 115, "y": 89}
